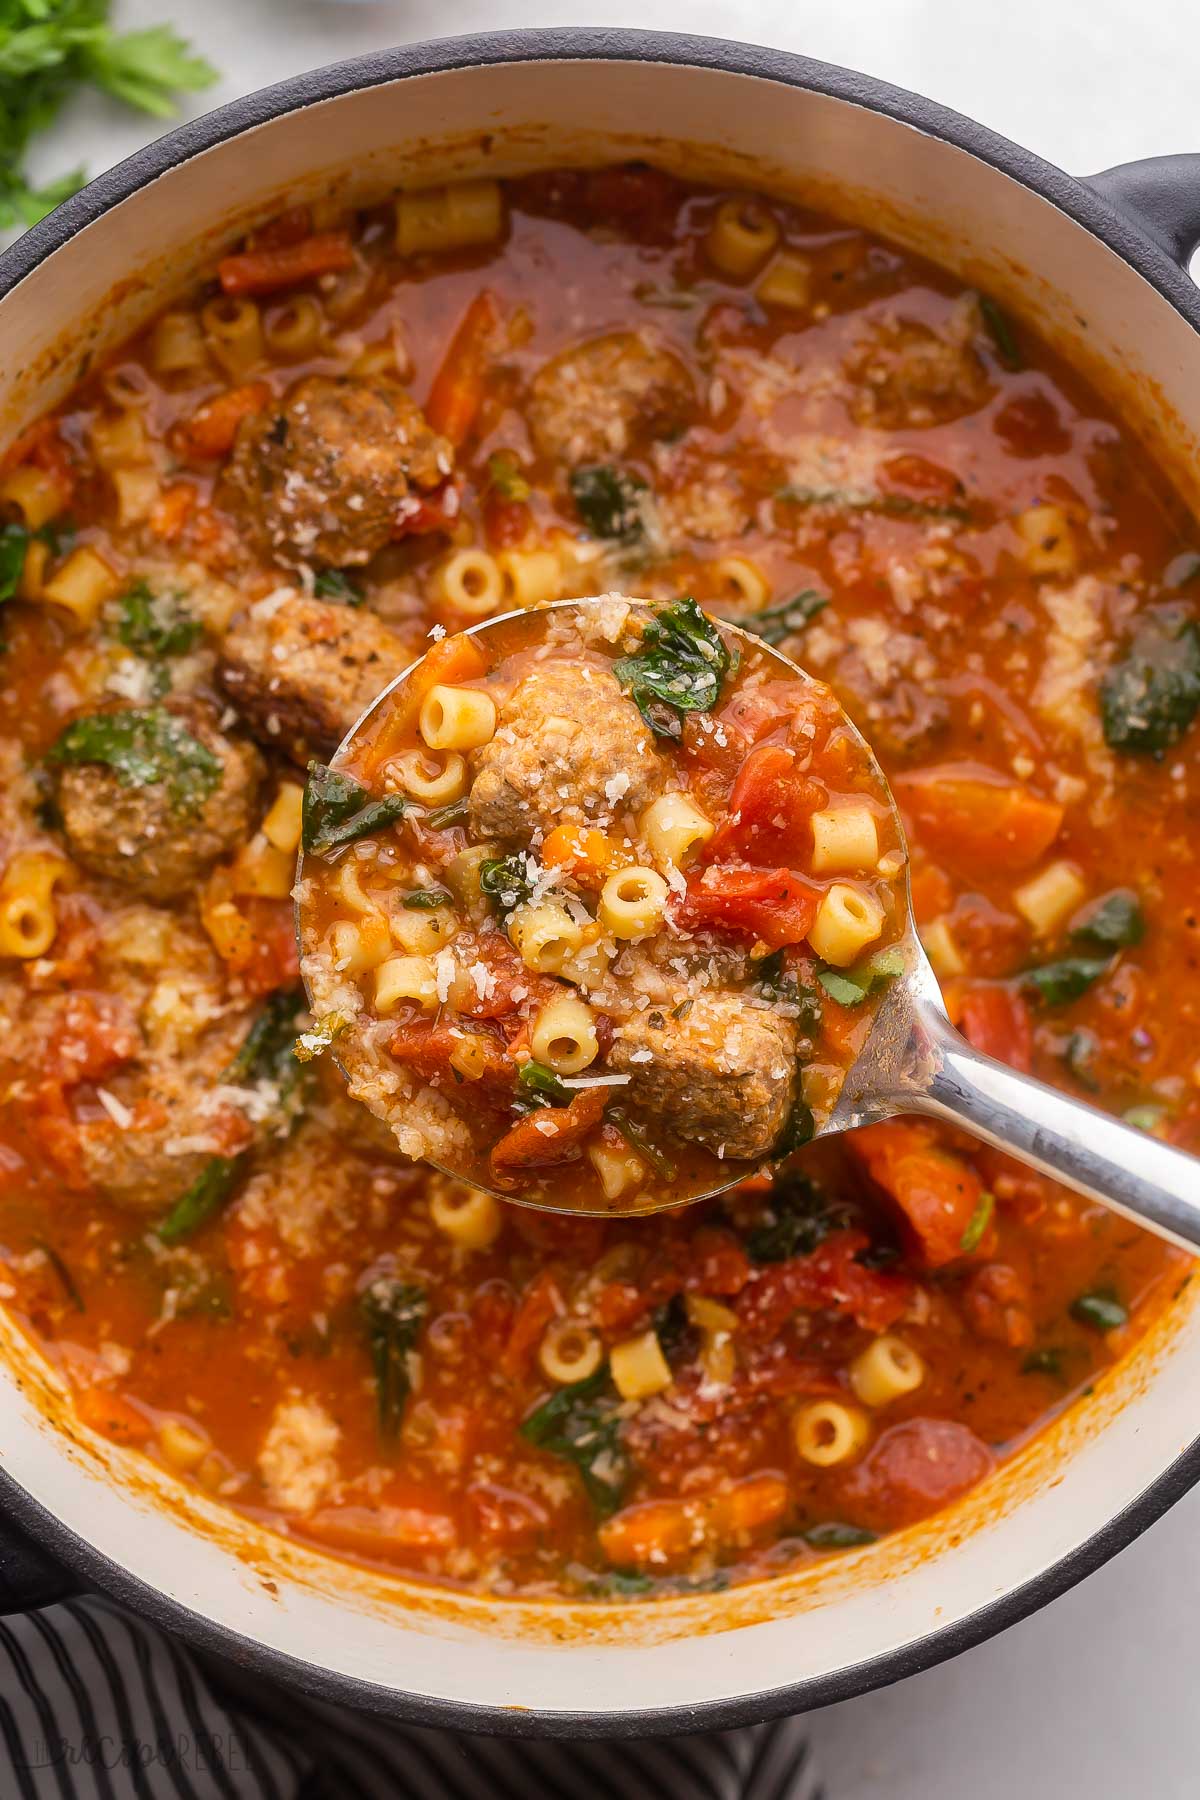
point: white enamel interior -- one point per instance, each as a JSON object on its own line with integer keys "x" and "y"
{"x": 1070, "y": 1483}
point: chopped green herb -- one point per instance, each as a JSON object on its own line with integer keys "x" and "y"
{"x": 338, "y": 811}
{"x": 1047, "y": 1361}
{"x": 504, "y": 476}
{"x": 1145, "y": 1118}
{"x": 776, "y": 982}
{"x": 889, "y": 506}
{"x": 536, "y": 1078}
{"x": 505, "y": 880}
{"x": 1101, "y": 1310}
{"x": 14, "y": 542}
{"x": 609, "y": 502}
{"x": 1001, "y": 333}
{"x": 801, "y": 1214}
{"x": 51, "y": 48}
{"x": 1058, "y": 983}
{"x": 1149, "y": 699}
{"x": 628, "y": 1583}
{"x": 456, "y": 813}
{"x": 266, "y": 1052}
{"x": 335, "y": 584}
{"x": 637, "y": 1140}
{"x": 203, "y": 1200}
{"x": 978, "y": 1223}
{"x": 64, "y": 1274}
{"x": 581, "y": 1423}
{"x": 850, "y": 987}
{"x": 834, "y": 1535}
{"x": 143, "y": 746}
{"x": 316, "y": 1040}
{"x": 778, "y": 622}
{"x": 393, "y": 1312}
{"x": 680, "y": 668}
{"x": 155, "y": 625}
{"x": 425, "y": 899}
{"x": 1114, "y": 922}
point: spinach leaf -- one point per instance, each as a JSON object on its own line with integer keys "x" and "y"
{"x": 1149, "y": 698}
{"x": 1114, "y": 923}
{"x": 680, "y": 668}
{"x": 1058, "y": 983}
{"x": 1101, "y": 1310}
{"x": 425, "y": 899}
{"x": 582, "y": 1424}
{"x": 266, "y": 1052}
{"x": 335, "y": 584}
{"x": 609, "y": 501}
{"x": 775, "y": 981}
{"x": 1001, "y": 333}
{"x": 506, "y": 882}
{"x": 850, "y": 987}
{"x": 978, "y": 1223}
{"x": 203, "y": 1200}
{"x": 143, "y": 746}
{"x": 154, "y": 625}
{"x": 338, "y": 811}
{"x": 536, "y": 1078}
{"x": 393, "y": 1312}
{"x": 888, "y": 506}
{"x": 775, "y": 623}
{"x": 834, "y": 1535}
{"x": 1047, "y": 1361}
{"x": 799, "y": 1129}
{"x": 1145, "y": 1118}
{"x": 637, "y": 1140}
{"x": 14, "y": 542}
{"x": 801, "y": 1215}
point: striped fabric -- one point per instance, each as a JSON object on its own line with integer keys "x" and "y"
{"x": 97, "y": 1705}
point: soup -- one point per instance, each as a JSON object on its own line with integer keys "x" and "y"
{"x": 363, "y": 433}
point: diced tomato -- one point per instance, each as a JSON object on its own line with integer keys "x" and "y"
{"x": 975, "y": 817}
{"x": 112, "y": 1416}
{"x": 829, "y": 1279}
{"x": 919, "y": 477}
{"x": 288, "y": 227}
{"x": 999, "y": 1305}
{"x": 774, "y": 906}
{"x": 506, "y": 975}
{"x": 915, "y": 1468}
{"x": 547, "y": 1137}
{"x": 421, "y": 514}
{"x": 427, "y": 1049}
{"x": 638, "y": 199}
{"x": 459, "y": 385}
{"x": 264, "y": 956}
{"x": 937, "y": 1191}
{"x": 210, "y": 431}
{"x": 658, "y": 1534}
{"x": 721, "y": 742}
{"x": 932, "y": 892}
{"x": 767, "y": 819}
{"x": 996, "y": 1021}
{"x": 540, "y": 1304}
{"x": 1029, "y": 425}
{"x": 267, "y": 270}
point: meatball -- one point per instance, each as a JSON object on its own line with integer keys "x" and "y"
{"x": 910, "y": 375}
{"x": 303, "y": 671}
{"x": 605, "y": 397}
{"x": 193, "y": 796}
{"x": 324, "y": 477}
{"x": 568, "y": 746}
{"x": 723, "y": 1075}
{"x": 172, "y": 1127}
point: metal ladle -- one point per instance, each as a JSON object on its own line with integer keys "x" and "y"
{"x": 915, "y": 1062}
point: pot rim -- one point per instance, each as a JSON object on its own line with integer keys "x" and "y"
{"x": 1077, "y": 201}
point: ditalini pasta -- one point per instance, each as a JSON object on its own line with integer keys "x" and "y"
{"x": 638, "y": 960}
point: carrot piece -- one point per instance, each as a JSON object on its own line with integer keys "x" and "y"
{"x": 656, "y": 1533}
{"x": 210, "y": 431}
{"x": 276, "y": 266}
{"x": 171, "y": 511}
{"x": 547, "y": 1137}
{"x": 112, "y": 1416}
{"x": 937, "y": 1192}
{"x": 589, "y": 854}
{"x": 452, "y": 659}
{"x": 972, "y": 815}
{"x": 996, "y": 1021}
{"x": 540, "y": 1303}
{"x": 458, "y": 387}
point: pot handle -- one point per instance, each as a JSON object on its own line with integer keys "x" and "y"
{"x": 29, "y": 1575}
{"x": 1160, "y": 197}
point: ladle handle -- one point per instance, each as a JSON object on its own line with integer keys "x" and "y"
{"x": 1132, "y": 1173}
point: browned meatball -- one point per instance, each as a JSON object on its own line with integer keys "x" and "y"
{"x": 302, "y": 672}
{"x": 910, "y": 375}
{"x": 568, "y": 746}
{"x": 323, "y": 478}
{"x": 167, "y": 794}
{"x": 723, "y": 1075}
{"x": 607, "y": 396}
{"x": 172, "y": 1127}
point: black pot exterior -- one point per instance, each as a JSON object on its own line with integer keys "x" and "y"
{"x": 1149, "y": 214}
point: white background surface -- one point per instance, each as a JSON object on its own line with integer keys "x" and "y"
{"x": 1096, "y": 1696}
